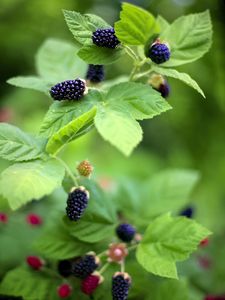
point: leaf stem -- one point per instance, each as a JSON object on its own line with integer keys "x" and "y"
{"x": 69, "y": 172}
{"x": 104, "y": 268}
{"x": 143, "y": 74}
{"x": 122, "y": 266}
{"x": 132, "y": 247}
{"x": 103, "y": 253}
{"x": 131, "y": 53}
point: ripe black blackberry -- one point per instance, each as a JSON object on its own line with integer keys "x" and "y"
{"x": 77, "y": 202}
{"x": 95, "y": 73}
{"x": 120, "y": 286}
{"x": 125, "y": 232}
{"x": 85, "y": 266}
{"x": 69, "y": 90}
{"x": 187, "y": 212}
{"x": 159, "y": 52}
{"x": 105, "y": 38}
{"x": 65, "y": 268}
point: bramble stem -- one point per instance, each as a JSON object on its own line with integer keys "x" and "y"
{"x": 131, "y": 53}
{"x": 104, "y": 268}
{"x": 123, "y": 266}
{"x": 103, "y": 253}
{"x": 132, "y": 247}
{"x": 143, "y": 74}
{"x": 69, "y": 172}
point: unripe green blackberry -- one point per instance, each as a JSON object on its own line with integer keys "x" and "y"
{"x": 121, "y": 283}
{"x": 77, "y": 202}
{"x": 85, "y": 265}
{"x": 125, "y": 232}
{"x": 159, "y": 52}
{"x": 69, "y": 90}
{"x": 105, "y": 38}
{"x": 85, "y": 168}
{"x": 95, "y": 73}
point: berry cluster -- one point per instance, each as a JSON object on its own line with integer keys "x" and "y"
{"x": 105, "y": 38}
{"x": 159, "y": 52}
{"x": 76, "y": 203}
{"x": 95, "y": 73}
{"x": 69, "y": 90}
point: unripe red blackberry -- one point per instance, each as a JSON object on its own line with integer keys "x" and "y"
{"x": 125, "y": 232}
{"x": 85, "y": 168}
{"x": 35, "y": 262}
{"x": 105, "y": 38}
{"x": 90, "y": 283}
{"x": 159, "y": 52}
{"x": 95, "y": 73}
{"x": 34, "y": 219}
{"x": 64, "y": 290}
{"x": 69, "y": 90}
{"x": 160, "y": 84}
{"x": 77, "y": 202}
{"x": 3, "y": 218}
{"x": 204, "y": 242}
{"x": 85, "y": 265}
{"x": 121, "y": 283}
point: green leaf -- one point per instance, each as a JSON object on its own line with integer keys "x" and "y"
{"x": 136, "y": 25}
{"x": 167, "y": 191}
{"x": 23, "y": 182}
{"x": 82, "y": 26}
{"x": 17, "y": 145}
{"x": 98, "y": 222}
{"x": 95, "y": 55}
{"x": 168, "y": 240}
{"x": 163, "y": 24}
{"x": 181, "y": 76}
{"x": 69, "y": 132}
{"x": 140, "y": 100}
{"x": 30, "y": 82}
{"x": 57, "y": 243}
{"x": 29, "y": 284}
{"x": 61, "y": 113}
{"x": 189, "y": 38}
{"x": 117, "y": 126}
{"x": 56, "y": 61}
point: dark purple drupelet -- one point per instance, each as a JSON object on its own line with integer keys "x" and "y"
{"x": 84, "y": 266}
{"x": 105, "y": 38}
{"x": 125, "y": 232}
{"x": 68, "y": 90}
{"x": 95, "y": 73}
{"x": 120, "y": 287}
{"x": 76, "y": 203}
{"x": 159, "y": 53}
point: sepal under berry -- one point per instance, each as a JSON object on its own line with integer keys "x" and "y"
{"x": 159, "y": 52}
{"x": 95, "y": 73}
{"x": 160, "y": 84}
{"x": 77, "y": 202}
{"x": 121, "y": 283}
{"x": 64, "y": 290}
{"x": 91, "y": 282}
{"x": 86, "y": 265}
{"x": 105, "y": 38}
{"x": 69, "y": 90}
{"x": 85, "y": 168}
{"x": 35, "y": 262}
{"x": 125, "y": 232}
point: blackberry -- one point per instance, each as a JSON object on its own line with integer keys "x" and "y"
{"x": 85, "y": 168}
{"x": 95, "y": 73}
{"x": 188, "y": 212}
{"x": 120, "y": 286}
{"x": 76, "y": 203}
{"x": 125, "y": 232}
{"x": 69, "y": 90}
{"x": 90, "y": 283}
{"x": 85, "y": 266}
{"x": 64, "y": 290}
{"x": 105, "y": 38}
{"x": 160, "y": 84}
{"x": 65, "y": 268}
{"x": 35, "y": 262}
{"x": 159, "y": 52}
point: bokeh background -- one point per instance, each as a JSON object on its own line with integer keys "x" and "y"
{"x": 192, "y": 135}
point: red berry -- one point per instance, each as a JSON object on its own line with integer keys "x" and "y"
{"x": 34, "y": 219}
{"x": 204, "y": 242}
{"x": 35, "y": 262}
{"x": 90, "y": 283}
{"x": 204, "y": 262}
{"x": 64, "y": 290}
{"x": 3, "y": 218}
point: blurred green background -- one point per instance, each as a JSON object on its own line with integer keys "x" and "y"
{"x": 192, "y": 135}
